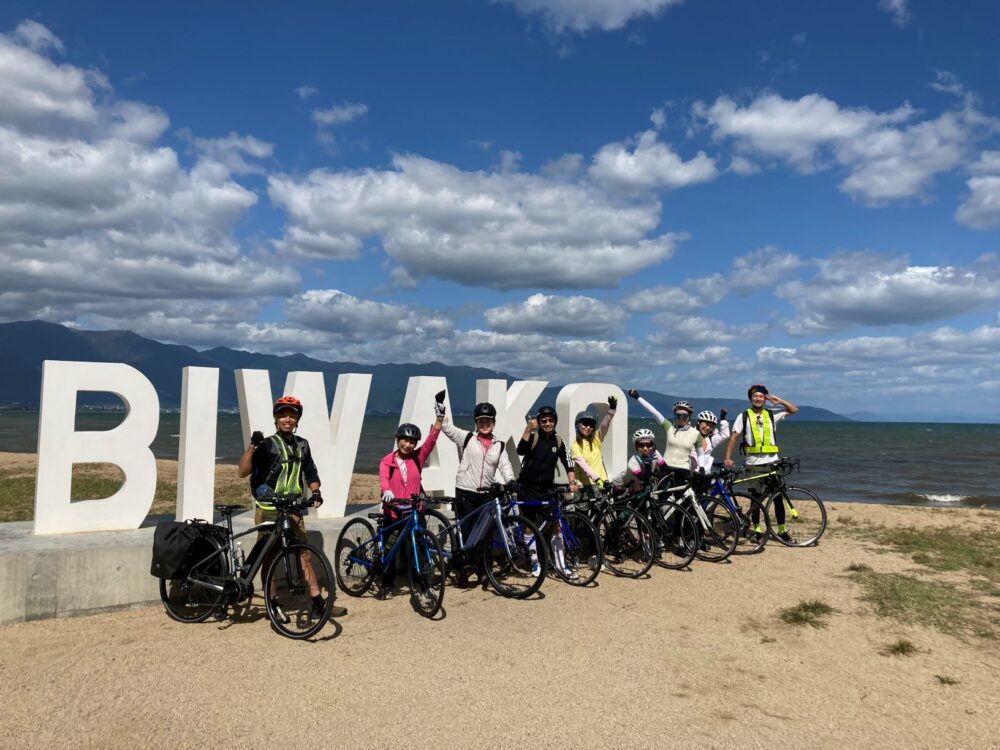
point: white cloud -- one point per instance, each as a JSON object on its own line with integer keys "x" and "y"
{"x": 337, "y": 312}
{"x": 561, "y": 316}
{"x": 898, "y": 10}
{"x": 662, "y": 297}
{"x": 238, "y": 153}
{"x": 888, "y": 155}
{"x": 863, "y": 288}
{"x": 981, "y": 207}
{"x": 742, "y": 166}
{"x": 493, "y": 229}
{"x": 681, "y": 330}
{"x": 584, "y": 15}
{"x": 305, "y": 91}
{"x": 339, "y": 114}
{"x": 36, "y": 37}
{"x": 649, "y": 164}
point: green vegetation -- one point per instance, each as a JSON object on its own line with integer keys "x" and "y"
{"x": 902, "y": 647}
{"x": 945, "y": 680}
{"x": 910, "y": 599}
{"x": 809, "y": 612}
{"x": 858, "y": 568}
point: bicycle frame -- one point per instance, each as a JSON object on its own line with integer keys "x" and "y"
{"x": 478, "y": 529}
{"x": 681, "y": 494}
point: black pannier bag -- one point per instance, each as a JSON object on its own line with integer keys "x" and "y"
{"x": 177, "y": 545}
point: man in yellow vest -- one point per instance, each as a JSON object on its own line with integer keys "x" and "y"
{"x": 754, "y": 430}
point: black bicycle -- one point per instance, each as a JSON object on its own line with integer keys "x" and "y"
{"x": 628, "y": 543}
{"x": 221, "y": 578}
{"x": 793, "y": 516}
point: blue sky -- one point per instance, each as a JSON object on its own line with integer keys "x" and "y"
{"x": 687, "y": 196}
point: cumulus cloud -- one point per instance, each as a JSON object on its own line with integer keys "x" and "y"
{"x": 584, "y": 15}
{"x": 492, "y": 229}
{"x": 888, "y": 155}
{"x": 93, "y": 213}
{"x": 649, "y": 164}
{"x": 863, "y": 288}
{"x": 337, "y": 312}
{"x": 562, "y": 316}
{"x": 339, "y": 114}
{"x": 981, "y": 207}
{"x": 898, "y": 10}
{"x": 305, "y": 91}
{"x": 675, "y": 329}
{"x": 240, "y": 154}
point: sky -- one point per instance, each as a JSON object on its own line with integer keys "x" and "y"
{"x": 685, "y": 196}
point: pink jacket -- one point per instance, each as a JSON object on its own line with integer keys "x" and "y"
{"x": 390, "y": 477}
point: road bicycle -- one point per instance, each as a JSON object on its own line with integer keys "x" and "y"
{"x": 800, "y": 511}
{"x": 224, "y": 577}
{"x": 746, "y": 508}
{"x": 628, "y": 543}
{"x": 675, "y": 530}
{"x": 363, "y": 551}
{"x": 718, "y": 525}
{"x": 498, "y": 540}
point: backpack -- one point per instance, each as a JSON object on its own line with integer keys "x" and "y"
{"x": 177, "y": 545}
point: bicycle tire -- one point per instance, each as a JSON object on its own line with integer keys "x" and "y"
{"x": 718, "y": 541}
{"x": 805, "y": 517}
{"x": 511, "y": 576}
{"x": 354, "y": 558}
{"x": 581, "y": 550}
{"x": 287, "y": 582}
{"x": 677, "y": 533}
{"x": 442, "y": 529}
{"x": 627, "y": 541}
{"x": 750, "y": 541}
{"x": 186, "y": 601}
{"x": 426, "y": 585}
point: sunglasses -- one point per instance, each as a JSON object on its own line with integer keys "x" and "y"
{"x": 546, "y": 420}
{"x": 646, "y": 446}
{"x": 681, "y": 415}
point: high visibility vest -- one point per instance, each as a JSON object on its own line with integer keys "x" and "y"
{"x": 762, "y": 433}
{"x": 288, "y": 482}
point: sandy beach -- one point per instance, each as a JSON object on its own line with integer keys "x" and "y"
{"x": 680, "y": 658}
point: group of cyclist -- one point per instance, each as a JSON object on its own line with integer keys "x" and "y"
{"x": 283, "y": 464}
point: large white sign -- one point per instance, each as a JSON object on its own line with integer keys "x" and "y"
{"x": 333, "y": 434}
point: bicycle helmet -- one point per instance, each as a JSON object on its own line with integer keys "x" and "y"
{"x": 547, "y": 411}
{"x": 684, "y": 406}
{"x": 586, "y": 416}
{"x": 643, "y": 433}
{"x": 288, "y": 402}
{"x": 409, "y": 432}
{"x": 757, "y": 387}
{"x": 484, "y": 409}
{"x": 707, "y": 416}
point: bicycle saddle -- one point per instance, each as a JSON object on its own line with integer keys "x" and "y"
{"x": 375, "y": 516}
{"x": 228, "y": 509}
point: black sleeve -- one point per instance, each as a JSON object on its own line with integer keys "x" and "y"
{"x": 309, "y": 466}
{"x": 523, "y": 446}
{"x": 261, "y": 460}
{"x": 562, "y": 456}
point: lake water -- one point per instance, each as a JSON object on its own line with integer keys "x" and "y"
{"x": 895, "y": 463}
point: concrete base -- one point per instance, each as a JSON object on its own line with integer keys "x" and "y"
{"x": 77, "y": 574}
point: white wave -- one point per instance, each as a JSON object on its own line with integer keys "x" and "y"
{"x": 943, "y": 498}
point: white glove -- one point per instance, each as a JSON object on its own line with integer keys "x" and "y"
{"x": 387, "y": 496}
{"x": 438, "y": 410}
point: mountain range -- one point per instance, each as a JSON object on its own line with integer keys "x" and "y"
{"x": 28, "y": 343}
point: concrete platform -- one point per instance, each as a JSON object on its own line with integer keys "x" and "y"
{"x": 77, "y": 574}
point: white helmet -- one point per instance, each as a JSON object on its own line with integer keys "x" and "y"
{"x": 707, "y": 416}
{"x": 643, "y": 433}
{"x": 684, "y": 406}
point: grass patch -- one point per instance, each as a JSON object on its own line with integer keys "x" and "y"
{"x": 846, "y": 521}
{"x": 913, "y": 600}
{"x": 946, "y": 680}
{"x": 902, "y": 647}
{"x": 859, "y": 568}
{"x": 809, "y": 612}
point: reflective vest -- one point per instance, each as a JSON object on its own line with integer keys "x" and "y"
{"x": 289, "y": 478}
{"x": 762, "y": 434}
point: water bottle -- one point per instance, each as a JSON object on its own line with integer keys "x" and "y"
{"x": 240, "y": 555}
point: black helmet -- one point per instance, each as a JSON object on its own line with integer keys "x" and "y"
{"x": 586, "y": 416}
{"x": 547, "y": 411}
{"x": 484, "y": 409}
{"x": 408, "y": 431}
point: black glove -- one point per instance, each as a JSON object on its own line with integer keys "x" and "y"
{"x": 613, "y": 402}
{"x": 722, "y": 413}
{"x": 316, "y": 498}
{"x": 633, "y": 393}
{"x": 439, "y": 397}
{"x": 256, "y": 438}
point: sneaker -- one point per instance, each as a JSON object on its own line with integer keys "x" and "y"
{"x": 570, "y": 575}
{"x": 536, "y": 568}
{"x": 786, "y": 537}
{"x": 318, "y": 607}
{"x": 754, "y": 537}
{"x": 385, "y": 593}
{"x": 279, "y": 613}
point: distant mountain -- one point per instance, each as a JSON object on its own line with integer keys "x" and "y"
{"x": 27, "y": 344}
{"x": 866, "y": 416}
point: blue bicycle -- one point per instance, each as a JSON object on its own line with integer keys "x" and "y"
{"x": 749, "y": 538}
{"x": 363, "y": 551}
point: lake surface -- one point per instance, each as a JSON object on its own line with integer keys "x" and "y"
{"x": 872, "y": 462}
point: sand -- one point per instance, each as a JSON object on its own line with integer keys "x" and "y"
{"x": 696, "y": 657}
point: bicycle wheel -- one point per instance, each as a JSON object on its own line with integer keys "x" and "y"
{"x": 355, "y": 557}
{"x": 296, "y": 575}
{"x": 507, "y": 557}
{"x": 677, "y": 534}
{"x": 749, "y": 515}
{"x": 627, "y": 541}
{"x": 426, "y": 571}
{"x": 192, "y": 599}
{"x": 719, "y": 540}
{"x": 440, "y": 527}
{"x": 805, "y": 517}
{"x": 581, "y": 549}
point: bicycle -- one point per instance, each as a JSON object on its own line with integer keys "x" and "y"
{"x": 745, "y": 507}
{"x": 676, "y": 532}
{"x": 361, "y": 553}
{"x": 498, "y": 538}
{"x": 627, "y": 539}
{"x": 718, "y": 524}
{"x": 803, "y": 512}
{"x": 572, "y": 543}
{"x": 224, "y": 577}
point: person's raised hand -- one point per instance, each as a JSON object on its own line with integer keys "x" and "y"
{"x": 256, "y": 438}
{"x": 613, "y": 402}
{"x": 633, "y": 393}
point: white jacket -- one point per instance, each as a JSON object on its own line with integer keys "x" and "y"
{"x": 478, "y": 468}
{"x": 701, "y": 453}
